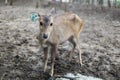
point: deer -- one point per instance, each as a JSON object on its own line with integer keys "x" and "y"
{"x": 55, "y": 30}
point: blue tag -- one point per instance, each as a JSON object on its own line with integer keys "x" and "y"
{"x": 34, "y": 16}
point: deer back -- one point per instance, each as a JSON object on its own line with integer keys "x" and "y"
{"x": 65, "y": 26}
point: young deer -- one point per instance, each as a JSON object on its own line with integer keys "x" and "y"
{"x": 56, "y": 30}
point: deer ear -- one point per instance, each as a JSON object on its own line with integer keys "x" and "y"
{"x": 35, "y": 16}
{"x": 52, "y": 12}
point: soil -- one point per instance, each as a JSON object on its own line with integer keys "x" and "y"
{"x": 22, "y": 59}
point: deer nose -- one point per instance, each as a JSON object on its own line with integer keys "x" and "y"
{"x": 45, "y": 36}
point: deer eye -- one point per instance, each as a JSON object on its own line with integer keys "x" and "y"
{"x": 41, "y": 23}
{"x": 51, "y": 24}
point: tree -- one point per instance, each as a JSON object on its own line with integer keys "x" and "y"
{"x": 93, "y": 2}
{"x": 118, "y": 3}
{"x": 37, "y": 4}
{"x": 100, "y": 2}
{"x": 88, "y": 1}
{"x": 43, "y": 2}
{"x": 109, "y": 4}
{"x": 11, "y": 2}
{"x": 6, "y": 2}
{"x": 115, "y": 2}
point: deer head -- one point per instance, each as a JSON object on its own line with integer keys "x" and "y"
{"x": 46, "y": 26}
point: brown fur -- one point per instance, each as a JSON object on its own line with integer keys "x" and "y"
{"x": 65, "y": 27}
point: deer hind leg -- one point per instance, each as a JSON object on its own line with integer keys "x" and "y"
{"x": 74, "y": 45}
{"x": 45, "y": 58}
{"x": 78, "y": 46}
{"x": 53, "y": 55}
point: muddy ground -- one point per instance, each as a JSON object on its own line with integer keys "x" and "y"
{"x": 22, "y": 59}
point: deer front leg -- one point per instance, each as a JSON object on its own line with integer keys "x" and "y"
{"x": 53, "y": 55}
{"x": 45, "y": 58}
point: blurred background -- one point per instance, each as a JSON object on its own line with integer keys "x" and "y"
{"x": 68, "y": 5}
{"x": 38, "y": 3}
